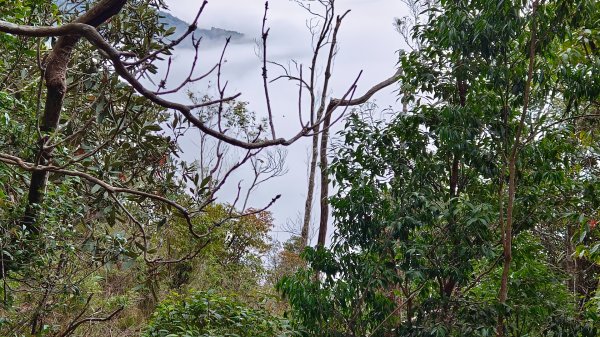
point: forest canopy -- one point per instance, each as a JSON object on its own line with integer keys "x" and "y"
{"x": 468, "y": 208}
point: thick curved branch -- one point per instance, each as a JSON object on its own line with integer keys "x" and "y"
{"x": 92, "y": 35}
{"x": 367, "y": 95}
{"x": 16, "y": 161}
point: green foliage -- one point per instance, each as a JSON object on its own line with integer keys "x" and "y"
{"x": 208, "y": 314}
{"x": 421, "y": 195}
{"x": 98, "y": 251}
{"x": 538, "y": 295}
{"x": 419, "y": 206}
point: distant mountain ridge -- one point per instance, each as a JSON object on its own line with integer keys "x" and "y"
{"x": 211, "y": 35}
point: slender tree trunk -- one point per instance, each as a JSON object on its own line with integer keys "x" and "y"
{"x": 324, "y": 218}
{"x": 327, "y": 111}
{"x": 324, "y": 164}
{"x": 454, "y": 177}
{"x": 512, "y": 172}
{"x": 571, "y": 267}
{"x": 449, "y": 283}
{"x": 311, "y": 189}
{"x": 507, "y": 232}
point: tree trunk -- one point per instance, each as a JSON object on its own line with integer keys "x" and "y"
{"x": 512, "y": 172}
{"x": 324, "y": 218}
{"x": 571, "y": 266}
{"x": 324, "y": 165}
{"x": 56, "y": 67}
{"x": 311, "y": 189}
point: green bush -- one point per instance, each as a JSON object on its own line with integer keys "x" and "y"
{"x": 208, "y": 314}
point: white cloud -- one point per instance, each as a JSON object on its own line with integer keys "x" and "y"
{"x": 368, "y": 42}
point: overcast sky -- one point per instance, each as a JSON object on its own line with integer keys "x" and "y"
{"x": 368, "y": 41}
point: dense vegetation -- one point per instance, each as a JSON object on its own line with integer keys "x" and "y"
{"x": 471, "y": 210}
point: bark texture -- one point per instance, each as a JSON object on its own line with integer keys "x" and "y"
{"x": 311, "y": 190}
{"x": 55, "y": 76}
